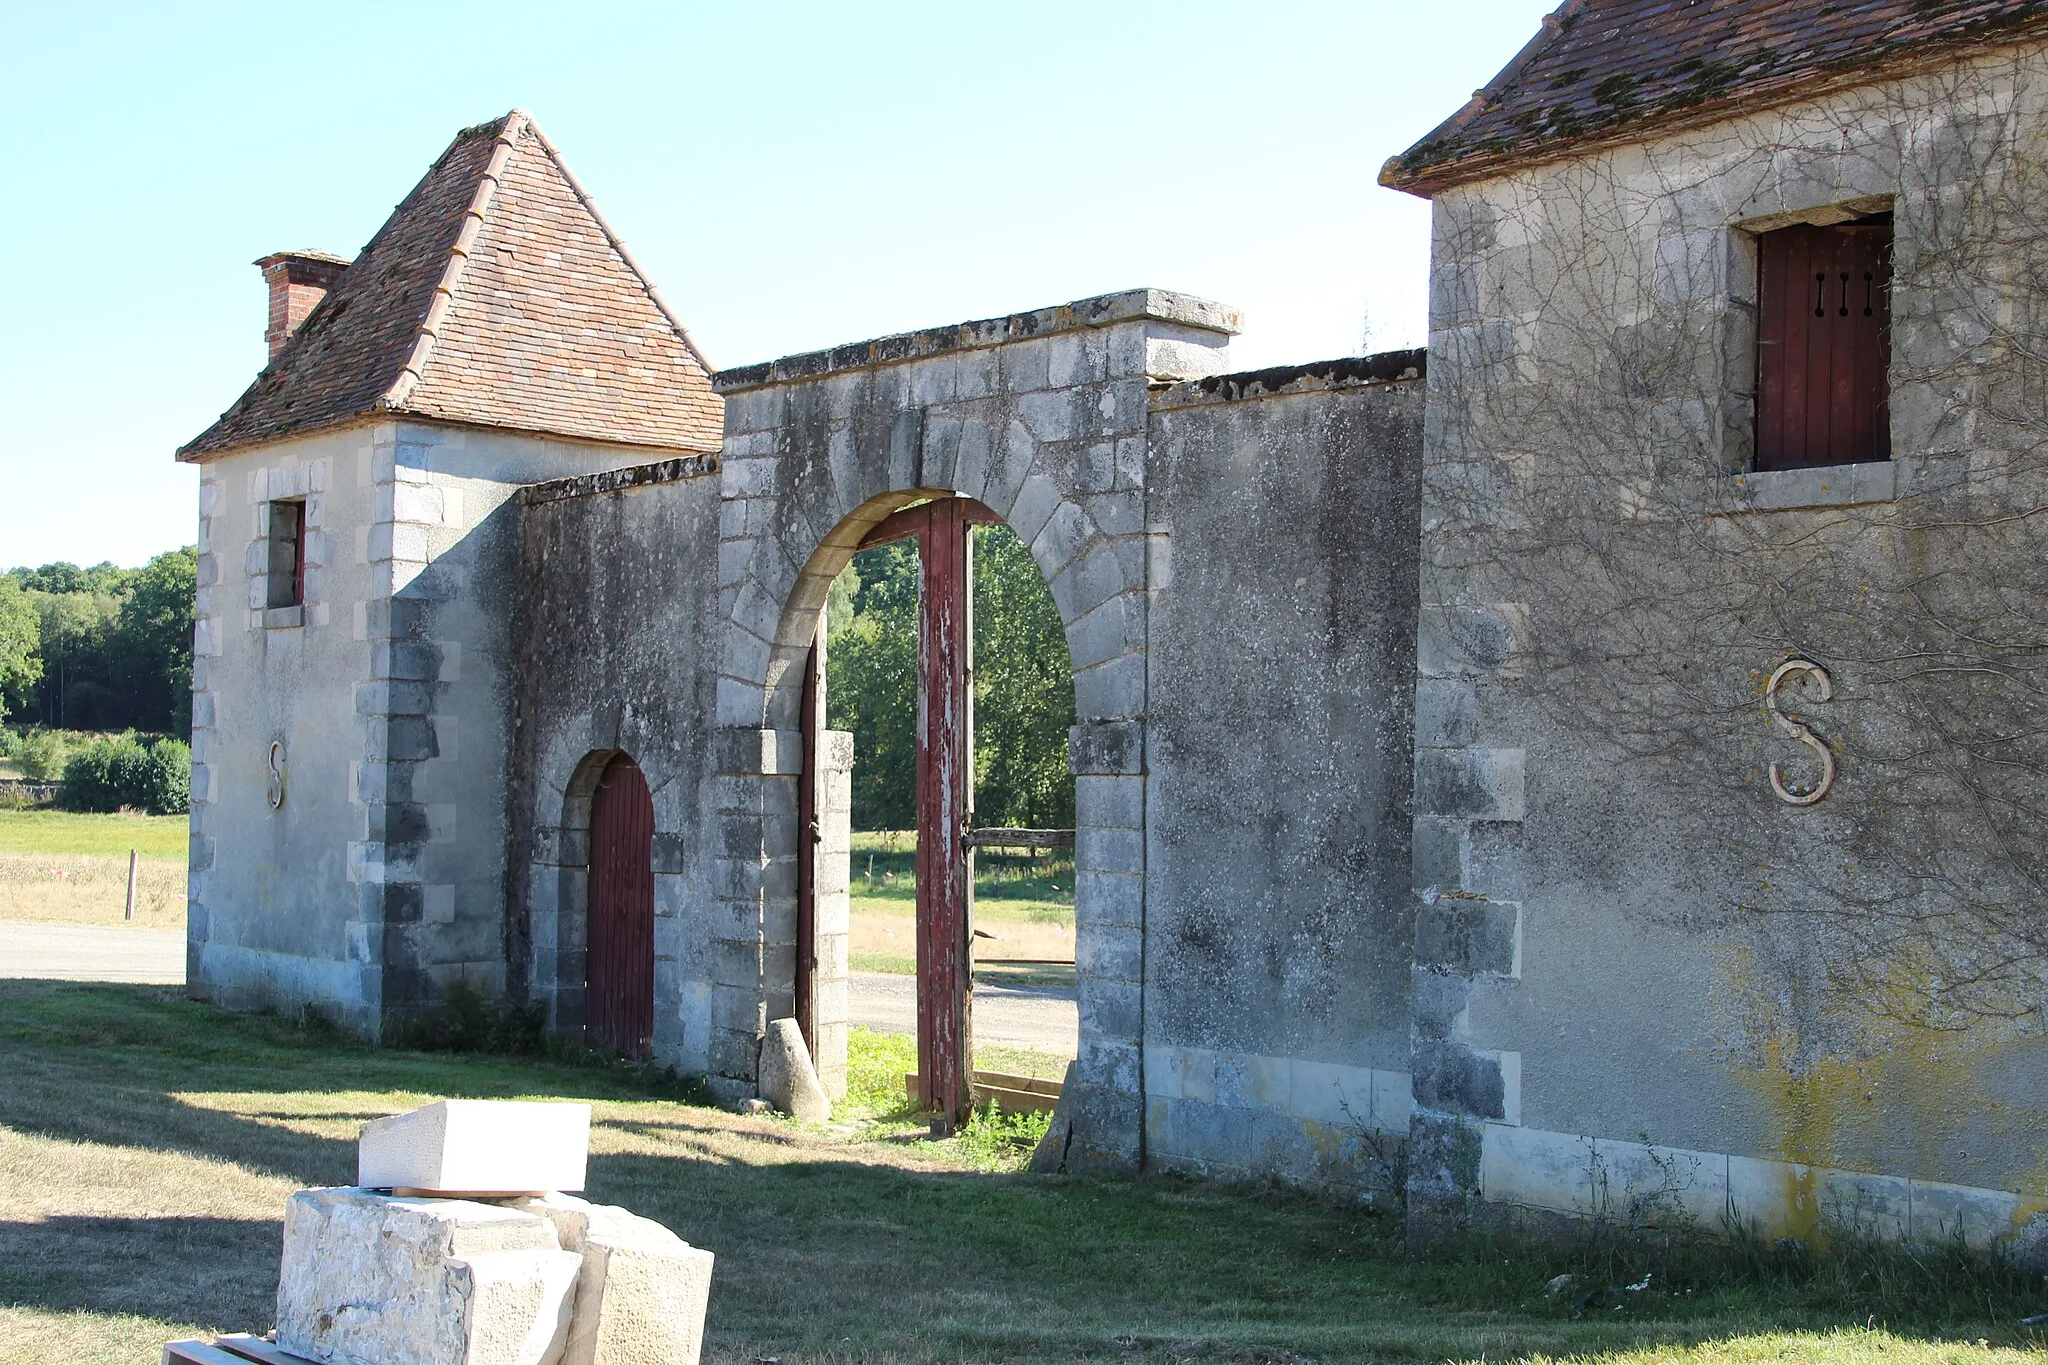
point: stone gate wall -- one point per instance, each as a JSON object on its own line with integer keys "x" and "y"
{"x": 1233, "y": 560}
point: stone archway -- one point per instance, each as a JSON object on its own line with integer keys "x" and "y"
{"x": 1041, "y": 417}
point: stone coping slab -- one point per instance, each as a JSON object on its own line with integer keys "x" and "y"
{"x": 1104, "y": 310}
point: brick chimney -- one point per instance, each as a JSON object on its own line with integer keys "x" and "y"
{"x": 298, "y": 280}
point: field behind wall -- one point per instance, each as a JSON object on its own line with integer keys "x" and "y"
{"x": 56, "y": 866}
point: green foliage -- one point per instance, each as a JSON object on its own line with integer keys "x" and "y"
{"x": 21, "y": 662}
{"x": 115, "y": 772}
{"x": 103, "y": 578}
{"x": 876, "y": 1064}
{"x": 166, "y": 787}
{"x": 871, "y": 683}
{"x": 114, "y": 645}
{"x": 992, "y": 1140}
{"x": 102, "y": 773}
{"x": 152, "y": 645}
{"x": 1023, "y": 690}
{"x": 1023, "y": 686}
{"x": 38, "y": 755}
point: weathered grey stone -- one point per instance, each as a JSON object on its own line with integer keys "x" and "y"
{"x": 1468, "y": 936}
{"x": 1106, "y": 748}
{"x": 788, "y": 1080}
{"x": 642, "y": 1293}
{"x": 375, "y": 1280}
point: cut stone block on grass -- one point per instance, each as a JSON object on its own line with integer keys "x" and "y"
{"x": 643, "y": 1292}
{"x": 477, "y": 1147}
{"x": 373, "y": 1279}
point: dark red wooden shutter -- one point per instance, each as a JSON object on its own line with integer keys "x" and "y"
{"x": 1823, "y": 345}
{"x": 298, "y": 528}
{"x": 619, "y": 996}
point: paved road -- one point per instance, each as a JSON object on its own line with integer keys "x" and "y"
{"x": 91, "y": 952}
{"x": 1041, "y": 1017}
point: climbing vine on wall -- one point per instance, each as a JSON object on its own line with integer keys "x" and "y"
{"x": 1596, "y": 543}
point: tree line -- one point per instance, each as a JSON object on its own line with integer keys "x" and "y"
{"x": 1023, "y": 686}
{"x": 100, "y": 648}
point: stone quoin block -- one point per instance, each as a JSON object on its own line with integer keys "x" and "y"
{"x": 1114, "y": 688}
{"x": 1462, "y": 640}
{"x": 1469, "y": 936}
{"x": 1107, "y": 748}
{"x": 1473, "y": 784}
{"x": 477, "y": 1146}
{"x": 1452, "y": 1078}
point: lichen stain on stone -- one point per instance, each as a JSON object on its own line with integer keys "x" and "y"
{"x": 1823, "y": 1106}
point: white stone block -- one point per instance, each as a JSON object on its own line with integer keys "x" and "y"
{"x": 499, "y": 1147}
{"x": 643, "y": 1293}
{"x": 378, "y": 1280}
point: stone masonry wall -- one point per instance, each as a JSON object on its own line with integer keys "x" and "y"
{"x": 617, "y": 650}
{"x": 1644, "y": 986}
{"x": 1282, "y": 510}
{"x": 1042, "y": 416}
{"x": 377, "y": 884}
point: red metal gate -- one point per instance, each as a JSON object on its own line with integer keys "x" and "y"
{"x": 619, "y": 972}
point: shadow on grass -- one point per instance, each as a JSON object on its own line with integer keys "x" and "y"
{"x": 220, "y": 1273}
{"x": 826, "y": 1249}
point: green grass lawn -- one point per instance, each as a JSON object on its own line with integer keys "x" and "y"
{"x": 52, "y": 831}
{"x": 147, "y": 1145}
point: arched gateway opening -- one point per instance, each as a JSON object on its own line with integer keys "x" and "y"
{"x": 1041, "y": 418}
{"x": 909, "y": 688}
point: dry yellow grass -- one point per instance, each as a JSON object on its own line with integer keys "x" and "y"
{"x": 882, "y": 929}
{"x": 78, "y": 888}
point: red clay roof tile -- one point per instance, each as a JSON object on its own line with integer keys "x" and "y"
{"x": 495, "y": 295}
{"x": 1601, "y": 69}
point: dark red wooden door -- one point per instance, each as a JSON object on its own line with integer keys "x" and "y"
{"x": 619, "y": 994}
{"x": 1823, "y": 345}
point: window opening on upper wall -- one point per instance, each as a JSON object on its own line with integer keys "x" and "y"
{"x": 1824, "y": 344}
{"x": 287, "y": 566}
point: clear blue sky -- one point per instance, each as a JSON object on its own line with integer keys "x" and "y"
{"x": 792, "y": 175}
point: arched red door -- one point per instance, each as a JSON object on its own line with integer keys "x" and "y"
{"x": 619, "y": 971}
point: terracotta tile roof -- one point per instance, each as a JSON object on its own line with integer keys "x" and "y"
{"x": 1607, "y": 69}
{"x": 495, "y": 295}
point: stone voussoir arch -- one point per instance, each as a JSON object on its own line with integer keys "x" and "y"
{"x": 1042, "y": 418}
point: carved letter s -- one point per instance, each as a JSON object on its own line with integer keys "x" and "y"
{"x": 275, "y": 764}
{"x": 1801, "y": 796}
